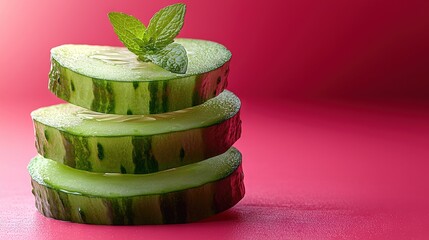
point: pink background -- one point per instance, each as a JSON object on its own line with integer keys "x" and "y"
{"x": 335, "y": 113}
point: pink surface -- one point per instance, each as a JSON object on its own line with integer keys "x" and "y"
{"x": 314, "y": 168}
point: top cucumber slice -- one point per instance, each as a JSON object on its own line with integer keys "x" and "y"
{"x": 112, "y": 80}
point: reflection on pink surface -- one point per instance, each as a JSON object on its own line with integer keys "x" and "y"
{"x": 313, "y": 170}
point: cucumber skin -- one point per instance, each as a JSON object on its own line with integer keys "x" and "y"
{"x": 184, "y": 206}
{"x": 210, "y": 141}
{"x": 163, "y": 95}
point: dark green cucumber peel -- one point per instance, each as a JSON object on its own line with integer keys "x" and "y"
{"x": 58, "y": 83}
{"x": 134, "y": 87}
{"x": 143, "y": 157}
{"x": 103, "y": 96}
{"x": 188, "y": 197}
{"x": 120, "y": 148}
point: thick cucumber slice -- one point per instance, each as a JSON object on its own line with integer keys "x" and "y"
{"x": 179, "y": 195}
{"x": 97, "y": 142}
{"x": 112, "y": 80}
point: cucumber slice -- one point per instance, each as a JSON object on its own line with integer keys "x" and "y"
{"x": 98, "y": 142}
{"x": 112, "y": 80}
{"x": 179, "y": 195}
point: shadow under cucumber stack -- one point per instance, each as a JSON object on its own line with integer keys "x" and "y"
{"x": 137, "y": 144}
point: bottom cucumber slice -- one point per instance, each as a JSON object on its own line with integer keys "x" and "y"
{"x": 177, "y": 195}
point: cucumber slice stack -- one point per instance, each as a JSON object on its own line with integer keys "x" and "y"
{"x": 137, "y": 144}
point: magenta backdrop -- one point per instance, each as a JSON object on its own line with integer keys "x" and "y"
{"x": 335, "y": 113}
{"x": 296, "y": 48}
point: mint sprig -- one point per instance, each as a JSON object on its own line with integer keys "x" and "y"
{"x": 173, "y": 58}
{"x": 156, "y": 42}
{"x": 129, "y": 30}
{"x": 165, "y": 25}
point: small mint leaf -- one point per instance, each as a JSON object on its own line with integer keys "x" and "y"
{"x": 172, "y": 58}
{"x": 129, "y": 30}
{"x": 165, "y": 25}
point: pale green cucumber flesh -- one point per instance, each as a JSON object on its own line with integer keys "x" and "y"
{"x": 79, "y": 121}
{"x": 111, "y": 80}
{"x": 179, "y": 195}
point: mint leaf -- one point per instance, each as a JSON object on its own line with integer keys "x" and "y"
{"x": 129, "y": 30}
{"x": 165, "y": 25}
{"x": 154, "y": 44}
{"x": 172, "y": 58}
